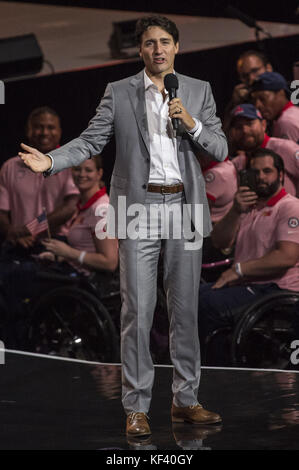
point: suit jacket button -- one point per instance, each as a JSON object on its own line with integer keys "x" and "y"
{"x": 144, "y": 186}
{"x": 205, "y": 145}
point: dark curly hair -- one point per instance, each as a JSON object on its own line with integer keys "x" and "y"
{"x": 161, "y": 21}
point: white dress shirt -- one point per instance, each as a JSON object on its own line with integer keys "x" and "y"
{"x": 164, "y": 166}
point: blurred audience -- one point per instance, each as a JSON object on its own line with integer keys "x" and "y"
{"x": 271, "y": 95}
{"x": 84, "y": 251}
{"x": 250, "y": 65}
{"x": 264, "y": 225}
{"x": 247, "y": 133}
{"x": 24, "y": 194}
{"x": 221, "y": 186}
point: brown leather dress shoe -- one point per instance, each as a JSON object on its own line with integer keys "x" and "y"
{"x": 137, "y": 424}
{"x": 195, "y": 414}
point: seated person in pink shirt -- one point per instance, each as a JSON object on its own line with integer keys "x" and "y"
{"x": 23, "y": 194}
{"x": 221, "y": 186}
{"x": 84, "y": 251}
{"x": 250, "y": 65}
{"x": 271, "y": 95}
{"x": 247, "y": 133}
{"x": 265, "y": 228}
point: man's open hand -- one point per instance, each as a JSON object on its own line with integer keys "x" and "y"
{"x": 35, "y": 160}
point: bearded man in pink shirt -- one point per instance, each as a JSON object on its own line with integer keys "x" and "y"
{"x": 264, "y": 225}
{"x": 24, "y": 194}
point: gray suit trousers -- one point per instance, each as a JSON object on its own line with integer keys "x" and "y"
{"x": 138, "y": 275}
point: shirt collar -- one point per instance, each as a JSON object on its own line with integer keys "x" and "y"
{"x": 149, "y": 83}
{"x": 214, "y": 163}
{"x": 94, "y": 198}
{"x": 288, "y": 105}
{"x": 265, "y": 141}
{"x": 274, "y": 199}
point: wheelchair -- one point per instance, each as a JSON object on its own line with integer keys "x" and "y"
{"x": 264, "y": 330}
{"x": 262, "y": 335}
{"x": 74, "y": 316}
{"x": 65, "y": 314}
{"x": 78, "y": 319}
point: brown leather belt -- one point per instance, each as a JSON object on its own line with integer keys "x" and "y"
{"x": 164, "y": 189}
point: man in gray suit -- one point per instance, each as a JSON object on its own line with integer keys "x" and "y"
{"x": 156, "y": 169}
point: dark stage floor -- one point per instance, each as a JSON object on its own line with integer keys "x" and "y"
{"x": 52, "y": 403}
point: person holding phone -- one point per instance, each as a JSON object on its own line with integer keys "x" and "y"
{"x": 264, "y": 225}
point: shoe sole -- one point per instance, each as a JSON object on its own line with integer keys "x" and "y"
{"x": 184, "y": 420}
{"x": 142, "y": 434}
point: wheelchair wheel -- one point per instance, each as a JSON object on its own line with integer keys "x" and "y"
{"x": 263, "y": 336}
{"x": 71, "y": 322}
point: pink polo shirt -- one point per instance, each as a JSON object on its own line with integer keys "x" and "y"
{"x": 83, "y": 223}
{"x": 286, "y": 126}
{"x": 260, "y": 229}
{"x": 24, "y": 193}
{"x": 289, "y": 152}
{"x": 221, "y": 186}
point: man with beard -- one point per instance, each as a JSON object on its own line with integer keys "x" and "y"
{"x": 247, "y": 133}
{"x": 265, "y": 226}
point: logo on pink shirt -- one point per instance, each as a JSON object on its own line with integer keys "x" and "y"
{"x": 293, "y": 222}
{"x": 209, "y": 177}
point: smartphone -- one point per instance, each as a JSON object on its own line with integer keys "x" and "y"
{"x": 248, "y": 178}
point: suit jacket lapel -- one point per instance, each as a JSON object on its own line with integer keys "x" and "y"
{"x": 136, "y": 93}
{"x": 182, "y": 93}
{"x": 137, "y": 97}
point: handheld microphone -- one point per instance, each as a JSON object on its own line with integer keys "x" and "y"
{"x": 171, "y": 84}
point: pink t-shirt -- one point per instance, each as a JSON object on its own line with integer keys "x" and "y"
{"x": 221, "y": 186}
{"x": 289, "y": 152}
{"x": 286, "y": 126}
{"x": 260, "y": 229}
{"x": 83, "y": 224}
{"x": 24, "y": 193}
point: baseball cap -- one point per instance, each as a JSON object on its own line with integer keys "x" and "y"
{"x": 246, "y": 110}
{"x": 270, "y": 81}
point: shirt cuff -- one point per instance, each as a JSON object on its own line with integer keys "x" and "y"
{"x": 196, "y": 129}
{"x": 48, "y": 172}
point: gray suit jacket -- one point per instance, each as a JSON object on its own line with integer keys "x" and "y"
{"x": 122, "y": 111}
